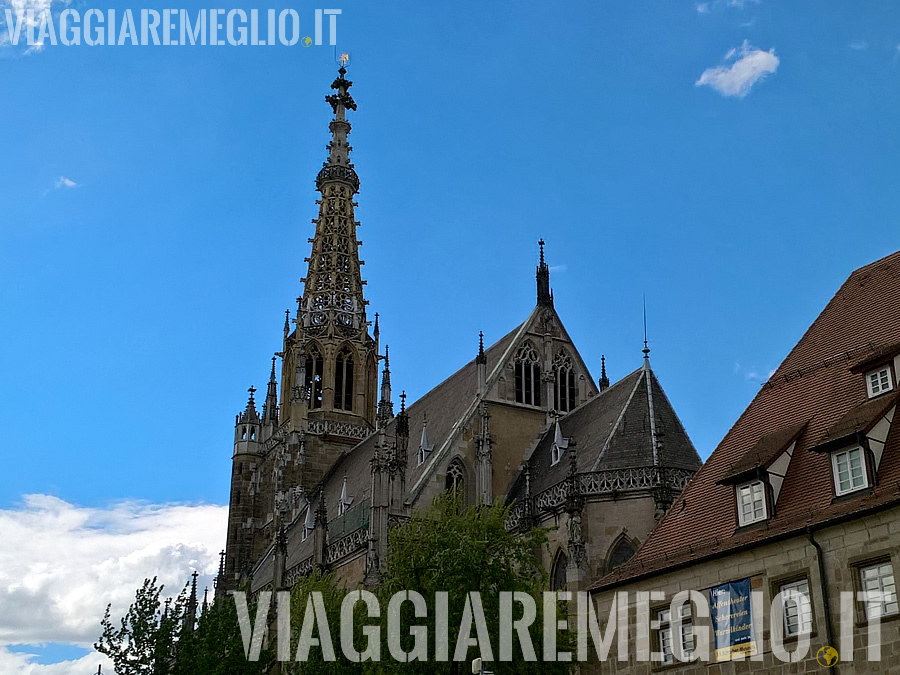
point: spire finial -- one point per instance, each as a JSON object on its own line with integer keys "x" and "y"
{"x": 544, "y": 295}
{"x": 604, "y": 380}
{"x": 403, "y": 401}
{"x": 386, "y": 405}
{"x": 646, "y": 348}
{"x": 481, "y": 358}
{"x": 270, "y": 407}
{"x": 287, "y": 322}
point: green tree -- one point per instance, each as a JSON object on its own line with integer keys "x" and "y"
{"x": 216, "y": 647}
{"x": 145, "y": 641}
{"x": 448, "y": 548}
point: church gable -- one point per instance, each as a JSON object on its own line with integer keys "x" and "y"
{"x": 543, "y": 369}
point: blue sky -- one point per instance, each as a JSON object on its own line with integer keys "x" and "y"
{"x": 734, "y": 161}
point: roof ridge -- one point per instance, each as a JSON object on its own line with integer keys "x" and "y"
{"x": 470, "y": 410}
{"x": 674, "y": 412}
{"x": 615, "y": 427}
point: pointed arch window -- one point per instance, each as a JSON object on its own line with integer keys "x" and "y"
{"x": 314, "y": 371}
{"x": 456, "y": 478}
{"x": 565, "y": 395}
{"x": 343, "y": 380}
{"x": 558, "y": 573}
{"x": 528, "y": 375}
{"x": 621, "y": 552}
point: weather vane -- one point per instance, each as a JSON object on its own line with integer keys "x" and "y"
{"x": 343, "y": 60}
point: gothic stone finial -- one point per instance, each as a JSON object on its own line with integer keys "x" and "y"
{"x": 604, "y": 380}
{"x": 403, "y": 401}
{"x": 544, "y": 294}
{"x": 481, "y": 356}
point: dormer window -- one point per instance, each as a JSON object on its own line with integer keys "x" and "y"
{"x": 879, "y": 381}
{"x": 425, "y": 447}
{"x": 849, "y": 471}
{"x": 751, "y": 498}
{"x": 559, "y": 447}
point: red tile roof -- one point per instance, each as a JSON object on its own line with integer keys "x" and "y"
{"x": 813, "y": 386}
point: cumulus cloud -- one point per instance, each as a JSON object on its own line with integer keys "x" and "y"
{"x": 748, "y": 66}
{"x": 64, "y": 182}
{"x": 61, "y": 564}
{"x": 16, "y": 663}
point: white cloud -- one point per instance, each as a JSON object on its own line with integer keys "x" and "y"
{"x": 702, "y": 8}
{"x": 61, "y": 564}
{"x": 737, "y": 78}
{"x": 15, "y": 663}
{"x": 859, "y": 45}
{"x": 64, "y": 182}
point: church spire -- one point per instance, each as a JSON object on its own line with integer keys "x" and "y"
{"x": 544, "y": 295}
{"x": 385, "y": 405}
{"x": 270, "y": 407}
{"x": 604, "y": 380}
{"x": 332, "y": 300}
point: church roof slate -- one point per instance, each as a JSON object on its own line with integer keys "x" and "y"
{"x": 613, "y": 431}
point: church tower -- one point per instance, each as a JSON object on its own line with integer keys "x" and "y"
{"x": 330, "y": 362}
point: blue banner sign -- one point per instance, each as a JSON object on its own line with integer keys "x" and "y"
{"x": 732, "y": 618}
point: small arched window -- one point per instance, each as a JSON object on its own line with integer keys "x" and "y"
{"x": 456, "y": 478}
{"x": 621, "y": 552}
{"x": 313, "y": 384}
{"x": 558, "y": 572}
{"x": 343, "y": 380}
{"x": 528, "y": 375}
{"x": 243, "y": 433}
{"x": 565, "y": 395}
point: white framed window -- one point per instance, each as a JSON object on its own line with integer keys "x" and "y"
{"x": 751, "y": 498}
{"x": 879, "y": 381}
{"x": 879, "y": 578}
{"x": 849, "y": 471}
{"x": 797, "y": 616}
{"x": 667, "y": 643}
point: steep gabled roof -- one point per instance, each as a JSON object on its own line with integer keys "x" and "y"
{"x": 815, "y": 386}
{"x": 614, "y": 431}
{"x": 446, "y": 407}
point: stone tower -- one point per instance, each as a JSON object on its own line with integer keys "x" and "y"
{"x": 329, "y": 371}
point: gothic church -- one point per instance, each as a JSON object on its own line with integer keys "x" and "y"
{"x": 328, "y": 468}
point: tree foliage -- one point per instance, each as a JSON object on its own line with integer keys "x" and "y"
{"x": 153, "y": 638}
{"x": 447, "y": 549}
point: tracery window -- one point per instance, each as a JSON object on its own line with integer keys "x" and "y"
{"x": 343, "y": 380}
{"x": 564, "y": 391}
{"x": 456, "y": 478}
{"x": 314, "y": 370}
{"x": 528, "y": 375}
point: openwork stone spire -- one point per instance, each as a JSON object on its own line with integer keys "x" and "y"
{"x": 332, "y": 299}
{"x": 544, "y": 295}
